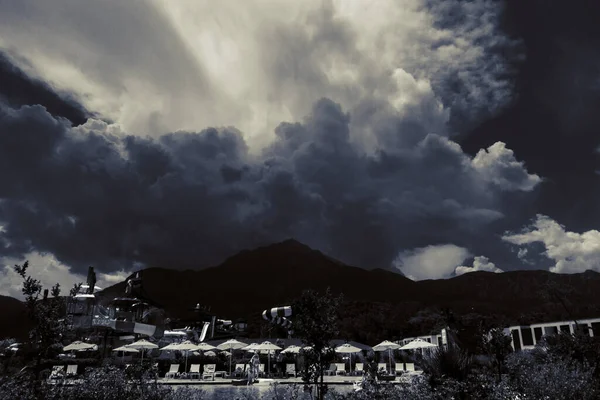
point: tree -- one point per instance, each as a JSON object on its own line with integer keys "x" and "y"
{"x": 316, "y": 323}
{"x": 497, "y": 345}
{"x": 45, "y": 313}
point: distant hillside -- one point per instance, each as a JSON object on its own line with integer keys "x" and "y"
{"x": 266, "y": 277}
{"x": 379, "y": 303}
{"x": 13, "y": 318}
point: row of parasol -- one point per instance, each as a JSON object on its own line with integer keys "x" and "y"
{"x": 233, "y": 344}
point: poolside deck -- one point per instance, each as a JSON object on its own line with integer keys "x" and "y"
{"x": 331, "y": 380}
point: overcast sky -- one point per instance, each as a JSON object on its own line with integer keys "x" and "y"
{"x": 430, "y": 137}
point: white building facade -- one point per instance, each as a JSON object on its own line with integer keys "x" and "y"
{"x": 526, "y": 337}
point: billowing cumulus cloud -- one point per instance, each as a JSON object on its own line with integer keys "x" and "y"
{"x": 157, "y": 66}
{"x": 571, "y": 252}
{"x": 190, "y": 199}
{"x": 480, "y": 263}
{"x": 238, "y": 124}
{"x": 431, "y": 262}
{"x": 500, "y": 166}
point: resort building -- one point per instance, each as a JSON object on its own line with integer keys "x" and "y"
{"x": 525, "y": 337}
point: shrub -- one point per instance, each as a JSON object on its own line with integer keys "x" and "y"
{"x": 543, "y": 376}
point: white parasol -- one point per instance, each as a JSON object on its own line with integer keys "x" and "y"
{"x": 142, "y": 344}
{"x": 125, "y": 349}
{"x": 251, "y": 347}
{"x": 169, "y": 347}
{"x": 79, "y": 346}
{"x": 231, "y": 345}
{"x": 204, "y": 347}
{"x": 185, "y": 346}
{"x": 417, "y": 344}
{"x": 292, "y": 349}
{"x": 268, "y": 346}
{"x": 347, "y": 348}
{"x": 389, "y": 346}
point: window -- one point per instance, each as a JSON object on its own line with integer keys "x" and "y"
{"x": 527, "y": 336}
{"x": 537, "y": 332}
{"x": 596, "y": 328}
{"x": 582, "y": 328}
{"x": 565, "y": 329}
{"x": 516, "y": 339}
{"x": 551, "y": 330}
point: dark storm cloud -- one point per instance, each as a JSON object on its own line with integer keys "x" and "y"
{"x": 93, "y": 194}
{"x": 19, "y": 89}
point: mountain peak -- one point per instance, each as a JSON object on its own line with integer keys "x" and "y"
{"x": 288, "y": 252}
{"x": 290, "y": 244}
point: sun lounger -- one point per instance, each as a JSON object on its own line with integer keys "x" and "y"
{"x": 222, "y": 374}
{"x": 195, "y": 371}
{"x": 290, "y": 369}
{"x": 359, "y": 368}
{"x": 397, "y": 368}
{"x": 57, "y": 372}
{"x": 340, "y": 369}
{"x": 71, "y": 370}
{"x": 239, "y": 370}
{"x": 209, "y": 371}
{"x": 173, "y": 371}
{"x": 331, "y": 370}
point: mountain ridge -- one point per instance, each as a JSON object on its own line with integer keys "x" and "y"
{"x": 379, "y": 302}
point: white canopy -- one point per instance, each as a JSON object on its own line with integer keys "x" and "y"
{"x": 126, "y": 349}
{"x": 185, "y": 346}
{"x": 231, "y": 345}
{"x": 250, "y": 347}
{"x": 268, "y": 346}
{"x": 386, "y": 345}
{"x": 204, "y": 347}
{"x": 389, "y": 346}
{"x": 79, "y": 346}
{"x": 347, "y": 348}
{"x": 142, "y": 344}
{"x": 417, "y": 344}
{"x": 170, "y": 347}
{"x": 292, "y": 349}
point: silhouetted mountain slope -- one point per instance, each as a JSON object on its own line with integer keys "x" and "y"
{"x": 266, "y": 277}
{"x": 13, "y": 318}
{"x": 379, "y": 304}
{"x": 252, "y": 280}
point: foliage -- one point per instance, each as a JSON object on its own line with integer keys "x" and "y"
{"x": 579, "y": 348}
{"x": 540, "y": 375}
{"x": 44, "y": 312}
{"x": 447, "y": 363}
{"x": 497, "y": 345}
{"x": 316, "y": 323}
{"x": 106, "y": 383}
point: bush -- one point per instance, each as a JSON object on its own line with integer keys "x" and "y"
{"x": 541, "y": 375}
